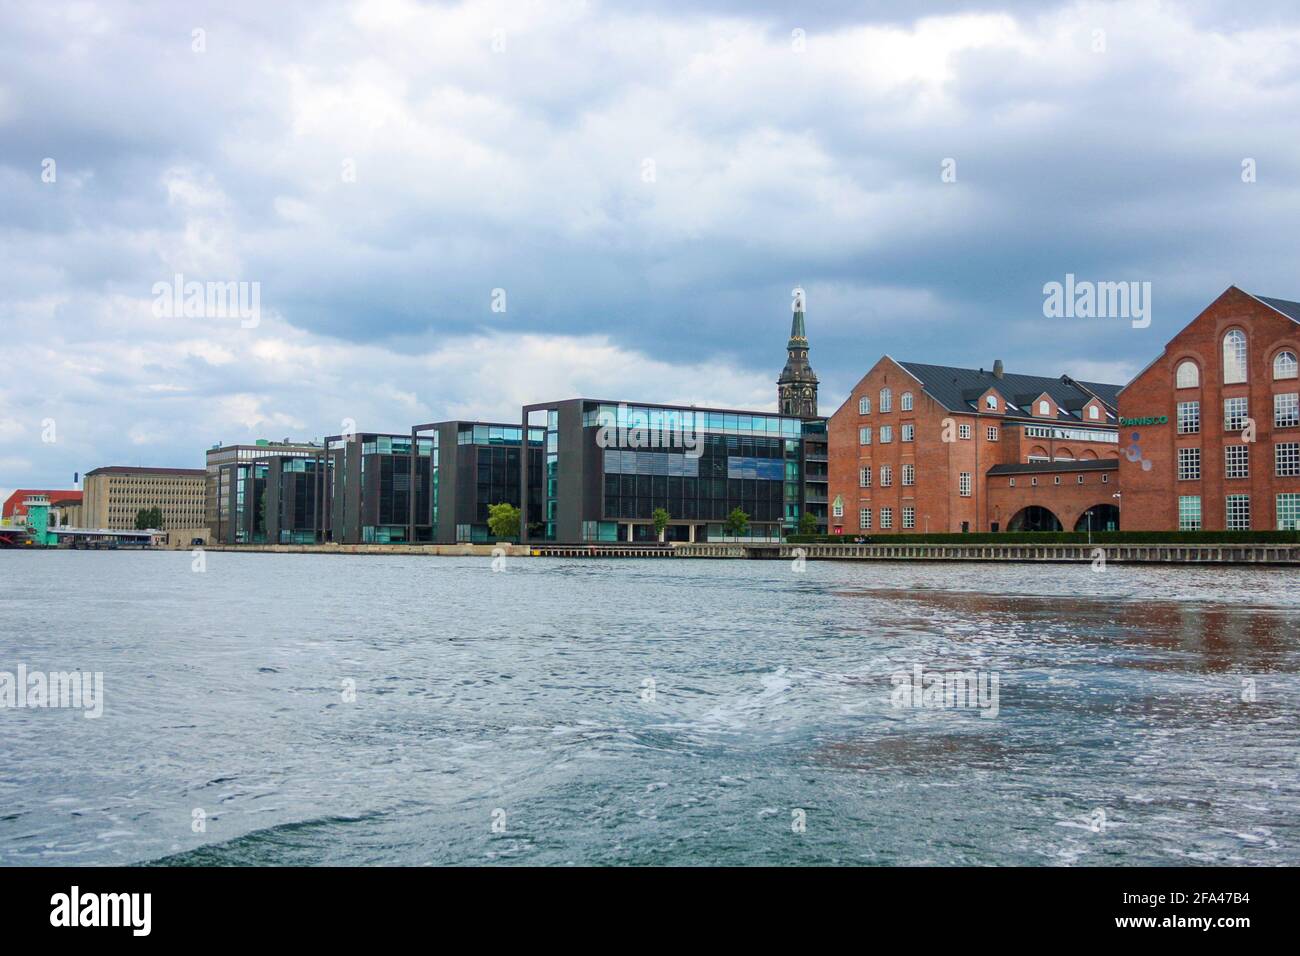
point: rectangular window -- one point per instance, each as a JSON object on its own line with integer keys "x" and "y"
{"x": 992, "y": 432}
{"x": 909, "y": 516}
{"x": 1286, "y": 410}
{"x": 886, "y": 434}
{"x": 1189, "y": 513}
{"x": 1189, "y": 418}
{"x": 1013, "y": 482}
{"x": 909, "y": 432}
{"x": 1080, "y": 480}
{"x": 886, "y": 517}
{"x": 1236, "y": 461}
{"x": 1238, "y": 512}
{"x": 864, "y": 519}
{"x": 837, "y": 509}
{"x": 1288, "y": 512}
{"x": 1234, "y": 414}
{"x": 864, "y": 435}
{"x": 1286, "y": 459}
{"x": 963, "y": 484}
{"x": 963, "y": 431}
{"x": 864, "y": 477}
{"x": 864, "y": 405}
{"x": 1189, "y": 464}
{"x": 886, "y": 476}
{"x": 909, "y": 474}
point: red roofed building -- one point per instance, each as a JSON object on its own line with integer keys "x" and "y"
{"x": 13, "y": 505}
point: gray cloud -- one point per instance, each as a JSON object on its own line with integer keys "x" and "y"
{"x": 526, "y": 170}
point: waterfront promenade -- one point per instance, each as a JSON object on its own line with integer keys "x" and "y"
{"x": 1019, "y": 552}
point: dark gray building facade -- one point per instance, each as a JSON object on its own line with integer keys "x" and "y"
{"x": 609, "y": 466}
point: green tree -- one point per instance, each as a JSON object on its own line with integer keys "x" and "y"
{"x": 737, "y": 523}
{"x": 503, "y": 521}
{"x": 807, "y": 523}
{"x": 661, "y": 519}
{"x": 149, "y": 518}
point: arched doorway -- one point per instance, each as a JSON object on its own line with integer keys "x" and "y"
{"x": 1034, "y": 518}
{"x": 1098, "y": 518}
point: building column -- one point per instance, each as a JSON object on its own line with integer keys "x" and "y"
{"x": 692, "y": 533}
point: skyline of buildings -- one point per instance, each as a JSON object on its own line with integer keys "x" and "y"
{"x": 914, "y": 447}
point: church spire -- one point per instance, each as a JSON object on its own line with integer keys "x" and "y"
{"x": 797, "y": 386}
{"x": 798, "y": 335}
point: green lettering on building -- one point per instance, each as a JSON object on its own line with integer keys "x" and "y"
{"x": 1152, "y": 420}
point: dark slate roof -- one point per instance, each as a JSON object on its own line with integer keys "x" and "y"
{"x": 1040, "y": 467}
{"x": 1288, "y": 308}
{"x": 134, "y": 470}
{"x": 958, "y": 389}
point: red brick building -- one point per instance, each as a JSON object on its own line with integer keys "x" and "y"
{"x": 1188, "y": 459}
{"x": 919, "y": 448}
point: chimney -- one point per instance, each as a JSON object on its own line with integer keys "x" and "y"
{"x": 997, "y": 368}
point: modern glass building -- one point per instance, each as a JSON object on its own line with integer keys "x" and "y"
{"x": 609, "y": 465}
{"x": 236, "y": 476}
{"x": 477, "y": 465}
{"x": 378, "y": 488}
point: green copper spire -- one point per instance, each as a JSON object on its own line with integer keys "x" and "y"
{"x": 797, "y": 332}
{"x": 797, "y": 386}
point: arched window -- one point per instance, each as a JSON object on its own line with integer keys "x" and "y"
{"x": 1234, "y": 357}
{"x": 1044, "y": 407}
{"x": 886, "y": 400}
{"x": 1188, "y": 375}
{"x": 991, "y": 402}
{"x": 1094, "y": 412}
{"x": 1284, "y": 365}
{"x": 905, "y": 401}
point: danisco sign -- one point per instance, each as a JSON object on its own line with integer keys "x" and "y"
{"x": 1150, "y": 420}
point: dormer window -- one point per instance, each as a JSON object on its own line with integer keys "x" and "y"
{"x": 1094, "y": 412}
{"x": 1044, "y": 407}
{"x": 991, "y": 402}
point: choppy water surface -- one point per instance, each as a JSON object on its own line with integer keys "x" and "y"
{"x": 524, "y": 691}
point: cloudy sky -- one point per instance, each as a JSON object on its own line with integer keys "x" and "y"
{"x": 645, "y": 182}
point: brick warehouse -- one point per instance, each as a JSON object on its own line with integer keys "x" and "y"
{"x": 1189, "y": 466}
{"x": 919, "y": 448}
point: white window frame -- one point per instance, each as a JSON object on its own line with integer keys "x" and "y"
{"x": 1236, "y": 512}
{"x": 1192, "y": 380}
{"x": 1236, "y": 357}
{"x": 1236, "y": 461}
{"x": 1286, "y": 409}
{"x": 1285, "y": 365}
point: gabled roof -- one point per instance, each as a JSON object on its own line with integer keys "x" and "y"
{"x": 1288, "y": 308}
{"x": 958, "y": 389}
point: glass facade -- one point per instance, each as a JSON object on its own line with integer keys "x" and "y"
{"x": 698, "y": 465}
